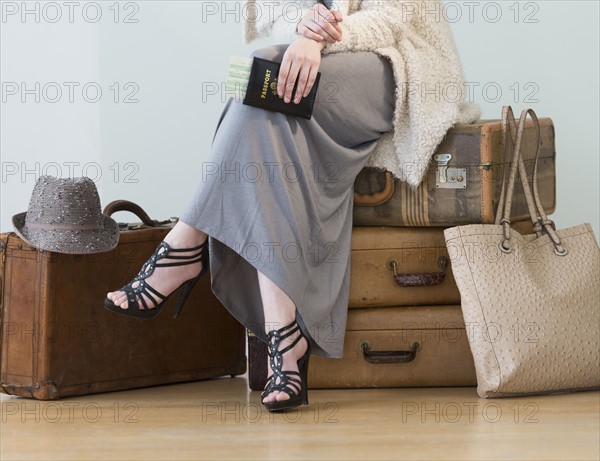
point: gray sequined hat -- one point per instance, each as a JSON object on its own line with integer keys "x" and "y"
{"x": 64, "y": 216}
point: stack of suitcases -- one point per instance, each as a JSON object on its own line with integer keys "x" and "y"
{"x": 405, "y": 326}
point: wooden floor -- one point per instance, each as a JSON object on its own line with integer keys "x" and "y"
{"x": 221, "y": 419}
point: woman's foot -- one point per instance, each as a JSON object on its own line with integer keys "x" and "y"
{"x": 289, "y": 371}
{"x": 289, "y": 349}
{"x": 167, "y": 279}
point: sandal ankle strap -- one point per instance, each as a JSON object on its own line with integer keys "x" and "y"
{"x": 276, "y": 336}
{"x": 182, "y": 260}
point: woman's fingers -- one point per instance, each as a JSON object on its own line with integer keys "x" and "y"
{"x": 284, "y": 71}
{"x": 303, "y": 79}
{"x": 328, "y": 24}
{"x": 311, "y": 80}
{"x": 288, "y": 74}
{"x": 325, "y": 31}
{"x": 291, "y": 79}
{"x": 321, "y": 22}
{"x": 300, "y": 64}
{"x": 310, "y": 31}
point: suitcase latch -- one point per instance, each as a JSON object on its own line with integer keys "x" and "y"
{"x": 449, "y": 178}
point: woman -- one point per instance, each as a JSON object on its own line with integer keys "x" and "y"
{"x": 275, "y": 199}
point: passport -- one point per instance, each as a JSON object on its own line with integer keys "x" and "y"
{"x": 261, "y": 90}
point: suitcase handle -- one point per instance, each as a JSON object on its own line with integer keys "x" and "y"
{"x": 378, "y": 197}
{"x": 389, "y": 356}
{"x": 126, "y": 205}
{"x": 423, "y": 279}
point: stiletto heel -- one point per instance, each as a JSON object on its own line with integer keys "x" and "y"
{"x": 185, "y": 291}
{"x": 144, "y": 290}
{"x": 303, "y": 367}
{"x": 292, "y": 383}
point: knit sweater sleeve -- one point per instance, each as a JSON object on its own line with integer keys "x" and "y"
{"x": 367, "y": 24}
{"x": 375, "y": 24}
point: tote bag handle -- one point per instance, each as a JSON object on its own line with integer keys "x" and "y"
{"x": 542, "y": 225}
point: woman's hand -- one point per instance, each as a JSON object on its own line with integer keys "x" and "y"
{"x": 300, "y": 62}
{"x": 321, "y": 24}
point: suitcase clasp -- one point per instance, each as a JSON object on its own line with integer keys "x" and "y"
{"x": 449, "y": 178}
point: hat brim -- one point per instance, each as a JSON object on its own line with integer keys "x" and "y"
{"x": 69, "y": 241}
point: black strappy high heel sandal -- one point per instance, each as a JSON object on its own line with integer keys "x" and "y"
{"x": 292, "y": 383}
{"x": 144, "y": 290}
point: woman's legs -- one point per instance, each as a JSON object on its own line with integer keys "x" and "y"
{"x": 279, "y": 309}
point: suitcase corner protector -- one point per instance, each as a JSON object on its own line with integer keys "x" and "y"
{"x": 47, "y": 390}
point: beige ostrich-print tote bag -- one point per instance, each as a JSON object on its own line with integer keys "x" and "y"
{"x": 530, "y": 302}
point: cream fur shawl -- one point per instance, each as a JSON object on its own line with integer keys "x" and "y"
{"x": 430, "y": 90}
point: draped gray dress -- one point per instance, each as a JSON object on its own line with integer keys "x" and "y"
{"x": 276, "y": 194}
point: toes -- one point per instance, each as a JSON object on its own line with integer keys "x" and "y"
{"x": 117, "y": 300}
{"x": 116, "y": 297}
{"x": 276, "y": 396}
{"x": 282, "y": 396}
{"x": 270, "y": 398}
{"x": 122, "y": 301}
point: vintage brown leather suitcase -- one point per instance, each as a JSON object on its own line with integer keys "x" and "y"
{"x": 423, "y": 346}
{"x": 58, "y": 340}
{"x": 404, "y": 266}
{"x": 462, "y": 184}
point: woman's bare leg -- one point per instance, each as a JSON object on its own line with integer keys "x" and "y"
{"x": 279, "y": 311}
{"x": 167, "y": 279}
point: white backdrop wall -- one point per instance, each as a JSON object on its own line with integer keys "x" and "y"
{"x": 157, "y": 65}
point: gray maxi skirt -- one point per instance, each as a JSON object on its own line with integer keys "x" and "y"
{"x": 276, "y": 194}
